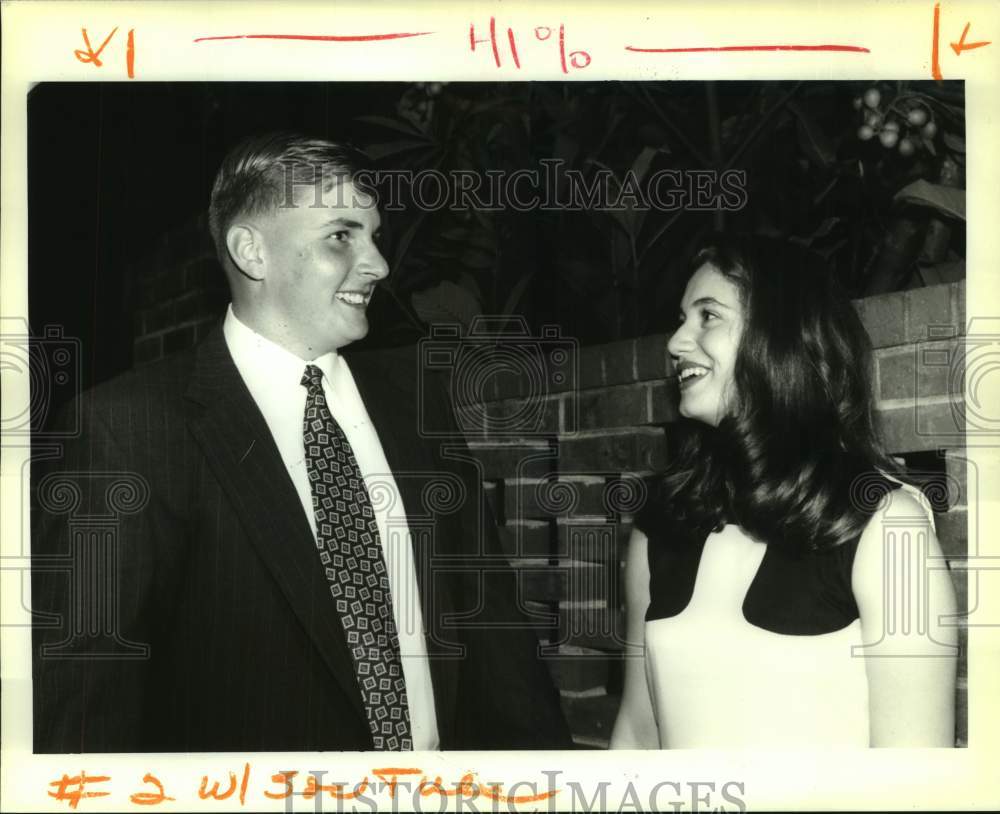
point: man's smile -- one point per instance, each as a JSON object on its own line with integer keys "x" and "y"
{"x": 356, "y": 299}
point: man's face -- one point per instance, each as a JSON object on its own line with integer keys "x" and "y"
{"x": 322, "y": 264}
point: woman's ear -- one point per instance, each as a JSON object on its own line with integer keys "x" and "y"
{"x": 245, "y": 246}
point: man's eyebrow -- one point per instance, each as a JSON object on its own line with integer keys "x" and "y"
{"x": 350, "y": 224}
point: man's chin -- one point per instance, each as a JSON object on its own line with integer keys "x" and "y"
{"x": 355, "y": 334}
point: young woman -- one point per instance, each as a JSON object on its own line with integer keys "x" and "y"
{"x": 788, "y": 590}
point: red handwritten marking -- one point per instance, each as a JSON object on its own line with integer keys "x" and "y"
{"x": 962, "y": 45}
{"x": 130, "y": 54}
{"x": 63, "y": 791}
{"x": 935, "y": 61}
{"x": 848, "y": 48}
{"x": 493, "y": 39}
{"x": 90, "y": 55}
{"x": 320, "y": 37}
{"x": 562, "y": 48}
{"x": 147, "y": 798}
{"x": 513, "y": 48}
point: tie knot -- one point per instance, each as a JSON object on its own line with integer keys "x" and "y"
{"x": 312, "y": 379}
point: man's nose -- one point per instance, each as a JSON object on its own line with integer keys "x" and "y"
{"x": 373, "y": 264}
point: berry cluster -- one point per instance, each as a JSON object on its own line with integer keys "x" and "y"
{"x": 906, "y": 123}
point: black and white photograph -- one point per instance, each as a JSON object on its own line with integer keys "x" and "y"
{"x": 528, "y": 420}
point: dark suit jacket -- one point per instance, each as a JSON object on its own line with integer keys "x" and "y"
{"x": 180, "y": 604}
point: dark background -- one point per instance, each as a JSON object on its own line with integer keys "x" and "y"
{"x": 120, "y": 176}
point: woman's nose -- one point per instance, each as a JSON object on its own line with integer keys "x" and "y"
{"x": 680, "y": 341}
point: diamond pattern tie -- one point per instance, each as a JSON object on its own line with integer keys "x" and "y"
{"x": 350, "y": 550}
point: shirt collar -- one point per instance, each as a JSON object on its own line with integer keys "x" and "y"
{"x": 265, "y": 362}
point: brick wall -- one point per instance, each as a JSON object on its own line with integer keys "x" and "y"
{"x": 563, "y": 491}
{"x": 593, "y": 423}
{"x": 179, "y": 293}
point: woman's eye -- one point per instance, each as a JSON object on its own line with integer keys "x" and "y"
{"x": 708, "y": 315}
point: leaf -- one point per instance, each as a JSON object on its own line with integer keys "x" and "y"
{"x": 446, "y": 302}
{"x": 822, "y": 230}
{"x": 954, "y": 143}
{"x": 399, "y": 125}
{"x": 380, "y": 151}
{"x": 950, "y": 271}
{"x": 928, "y": 145}
{"x": 643, "y": 161}
{"x": 812, "y": 139}
{"x": 948, "y": 201}
{"x": 516, "y": 293}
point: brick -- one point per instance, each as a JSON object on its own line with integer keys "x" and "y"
{"x": 956, "y": 467}
{"x": 639, "y": 450}
{"x": 188, "y": 308}
{"x": 157, "y": 318}
{"x": 619, "y": 362}
{"x": 587, "y": 582}
{"x": 591, "y": 368}
{"x": 930, "y": 306}
{"x": 505, "y": 384}
{"x": 554, "y": 498}
{"x": 522, "y": 417}
{"x": 923, "y": 371}
{"x": 205, "y": 327}
{"x": 963, "y": 651}
{"x": 596, "y": 541}
{"x": 884, "y": 319}
{"x": 923, "y": 426}
{"x": 561, "y": 358}
{"x": 578, "y": 669}
{"x": 958, "y": 316}
{"x": 541, "y": 582}
{"x": 492, "y": 491}
{"x": 544, "y": 619}
{"x": 591, "y": 625}
{"x": 147, "y": 349}
{"x": 204, "y": 272}
{"x": 591, "y": 717}
{"x": 651, "y": 358}
{"x": 513, "y": 460}
{"x": 664, "y": 398}
{"x": 470, "y": 420}
{"x": 178, "y": 339}
{"x": 526, "y": 538}
{"x": 952, "y": 532}
{"x": 625, "y": 406}
{"x": 962, "y": 714}
{"x": 169, "y": 284}
{"x": 960, "y": 579}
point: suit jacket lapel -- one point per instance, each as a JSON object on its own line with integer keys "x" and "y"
{"x": 241, "y": 452}
{"x": 389, "y": 393}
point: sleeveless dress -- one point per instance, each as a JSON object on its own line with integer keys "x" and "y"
{"x": 749, "y": 645}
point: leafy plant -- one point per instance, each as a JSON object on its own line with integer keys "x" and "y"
{"x": 870, "y": 176}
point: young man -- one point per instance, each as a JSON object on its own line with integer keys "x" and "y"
{"x": 278, "y": 576}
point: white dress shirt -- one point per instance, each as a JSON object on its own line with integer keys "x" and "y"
{"x": 273, "y": 376}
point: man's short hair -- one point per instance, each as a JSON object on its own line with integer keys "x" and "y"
{"x": 265, "y": 172}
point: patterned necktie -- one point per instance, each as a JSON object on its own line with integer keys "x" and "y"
{"x": 350, "y": 549}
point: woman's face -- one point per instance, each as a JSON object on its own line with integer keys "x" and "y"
{"x": 705, "y": 343}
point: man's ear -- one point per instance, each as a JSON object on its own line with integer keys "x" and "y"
{"x": 245, "y": 245}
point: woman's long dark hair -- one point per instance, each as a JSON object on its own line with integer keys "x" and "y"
{"x": 785, "y": 462}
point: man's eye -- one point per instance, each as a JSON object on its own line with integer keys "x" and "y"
{"x": 340, "y": 236}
